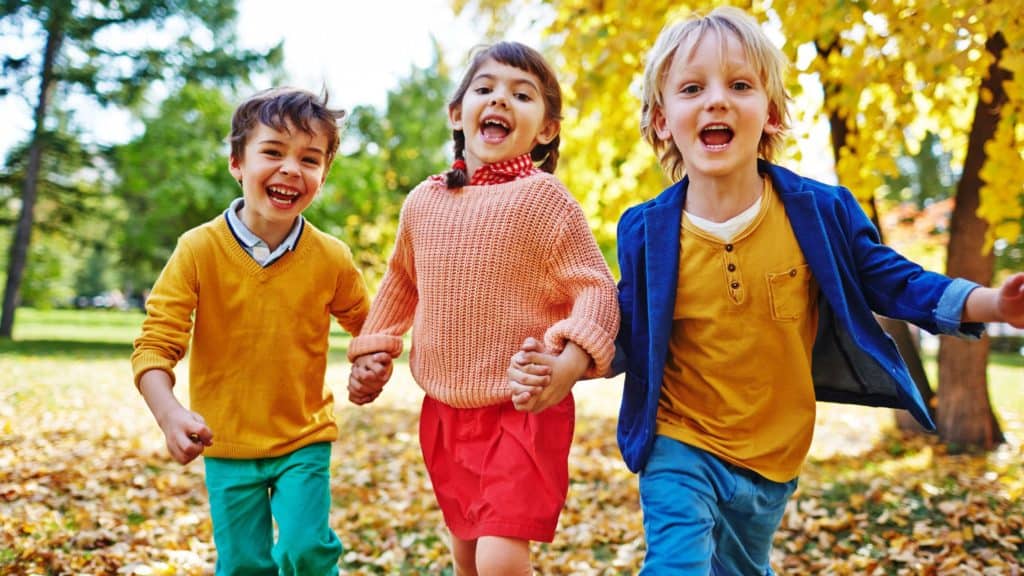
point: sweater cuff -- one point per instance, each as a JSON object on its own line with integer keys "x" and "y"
{"x": 369, "y": 344}
{"x": 951, "y": 308}
{"x": 146, "y": 361}
{"x": 593, "y": 338}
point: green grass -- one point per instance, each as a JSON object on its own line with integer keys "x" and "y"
{"x": 96, "y": 333}
{"x": 86, "y": 325}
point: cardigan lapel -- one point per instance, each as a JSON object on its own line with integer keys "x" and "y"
{"x": 661, "y": 239}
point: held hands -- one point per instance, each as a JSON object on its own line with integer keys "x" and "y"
{"x": 186, "y": 433}
{"x": 540, "y": 380}
{"x": 369, "y": 374}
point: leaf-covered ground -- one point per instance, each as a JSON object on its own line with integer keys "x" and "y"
{"x": 86, "y": 488}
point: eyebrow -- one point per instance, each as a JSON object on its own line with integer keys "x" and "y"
{"x": 277, "y": 142}
{"x": 517, "y": 81}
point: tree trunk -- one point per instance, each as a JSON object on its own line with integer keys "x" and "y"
{"x": 897, "y": 329}
{"x": 23, "y": 230}
{"x": 965, "y": 416}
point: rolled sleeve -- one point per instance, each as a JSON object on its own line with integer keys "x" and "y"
{"x": 949, "y": 310}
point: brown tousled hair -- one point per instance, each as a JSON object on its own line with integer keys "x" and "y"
{"x": 279, "y": 107}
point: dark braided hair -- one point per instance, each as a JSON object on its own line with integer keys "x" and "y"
{"x": 525, "y": 58}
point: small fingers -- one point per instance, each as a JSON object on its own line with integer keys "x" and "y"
{"x": 523, "y": 388}
{"x": 198, "y": 432}
{"x": 360, "y": 400}
{"x": 186, "y": 450}
{"x": 523, "y": 403}
{"x": 528, "y": 378}
{"x": 532, "y": 344}
{"x": 360, "y": 394}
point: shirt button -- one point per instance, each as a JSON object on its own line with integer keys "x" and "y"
{"x": 792, "y": 272}
{"x": 735, "y": 285}
{"x": 732, "y": 267}
{"x": 728, "y": 247}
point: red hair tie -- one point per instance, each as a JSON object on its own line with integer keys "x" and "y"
{"x": 459, "y": 164}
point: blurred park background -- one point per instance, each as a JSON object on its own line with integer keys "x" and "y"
{"x": 917, "y": 107}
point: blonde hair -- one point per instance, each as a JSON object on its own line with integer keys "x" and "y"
{"x": 681, "y": 38}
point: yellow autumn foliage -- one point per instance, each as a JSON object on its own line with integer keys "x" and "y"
{"x": 893, "y": 69}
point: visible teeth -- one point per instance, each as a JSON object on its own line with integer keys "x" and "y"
{"x": 721, "y": 127}
{"x": 494, "y": 122}
{"x": 282, "y": 191}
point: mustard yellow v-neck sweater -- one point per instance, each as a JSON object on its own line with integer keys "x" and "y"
{"x": 258, "y": 336}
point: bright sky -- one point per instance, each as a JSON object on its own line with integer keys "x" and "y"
{"x": 360, "y": 50}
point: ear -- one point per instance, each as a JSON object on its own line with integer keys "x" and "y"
{"x": 660, "y": 124}
{"x": 235, "y": 167}
{"x": 772, "y": 126}
{"x": 455, "y": 117}
{"x": 548, "y": 131}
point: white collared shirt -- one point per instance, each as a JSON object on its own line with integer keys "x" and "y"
{"x": 253, "y": 244}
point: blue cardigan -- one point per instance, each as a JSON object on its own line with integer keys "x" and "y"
{"x": 854, "y": 361}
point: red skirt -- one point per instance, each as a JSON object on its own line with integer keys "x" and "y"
{"x": 497, "y": 471}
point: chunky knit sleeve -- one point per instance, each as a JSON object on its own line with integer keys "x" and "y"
{"x": 394, "y": 307}
{"x": 168, "y": 324}
{"x": 579, "y": 270}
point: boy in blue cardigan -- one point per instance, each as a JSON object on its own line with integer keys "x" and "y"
{"x": 747, "y": 294}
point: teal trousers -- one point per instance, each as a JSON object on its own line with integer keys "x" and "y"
{"x": 248, "y": 496}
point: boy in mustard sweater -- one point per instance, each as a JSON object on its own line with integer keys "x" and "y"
{"x": 748, "y": 293}
{"x": 255, "y": 289}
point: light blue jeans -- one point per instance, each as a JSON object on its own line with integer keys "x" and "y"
{"x": 704, "y": 516}
{"x": 247, "y": 496}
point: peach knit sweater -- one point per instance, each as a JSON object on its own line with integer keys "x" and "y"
{"x": 477, "y": 270}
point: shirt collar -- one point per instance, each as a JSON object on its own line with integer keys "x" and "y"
{"x": 248, "y": 238}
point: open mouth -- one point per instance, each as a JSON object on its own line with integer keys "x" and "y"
{"x": 716, "y": 136}
{"x": 494, "y": 129}
{"x": 282, "y": 196}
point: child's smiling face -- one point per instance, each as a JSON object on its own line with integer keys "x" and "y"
{"x": 281, "y": 173}
{"x": 502, "y": 115}
{"x": 715, "y": 107}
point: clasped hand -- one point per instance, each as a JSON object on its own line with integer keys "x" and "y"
{"x": 540, "y": 379}
{"x": 370, "y": 372}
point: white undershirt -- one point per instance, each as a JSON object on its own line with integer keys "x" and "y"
{"x": 731, "y": 227}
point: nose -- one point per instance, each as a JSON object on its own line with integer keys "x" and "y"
{"x": 288, "y": 166}
{"x": 716, "y": 97}
{"x": 498, "y": 98}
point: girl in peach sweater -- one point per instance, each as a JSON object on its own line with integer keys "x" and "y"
{"x": 492, "y": 252}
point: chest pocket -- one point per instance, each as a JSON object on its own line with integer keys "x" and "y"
{"x": 789, "y": 292}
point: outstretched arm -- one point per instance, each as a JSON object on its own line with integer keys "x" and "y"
{"x": 1004, "y": 304}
